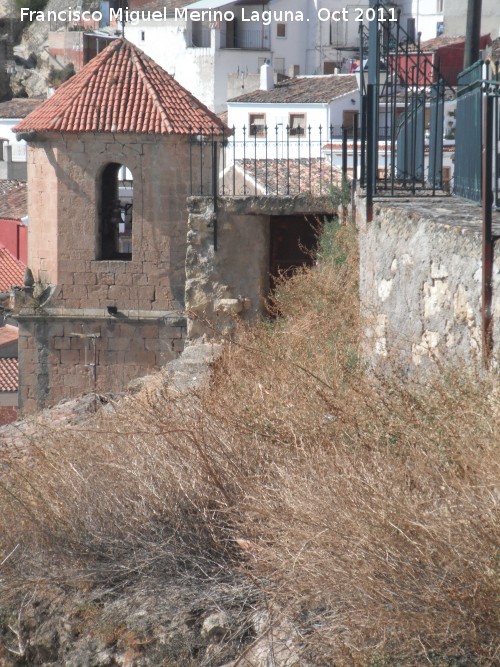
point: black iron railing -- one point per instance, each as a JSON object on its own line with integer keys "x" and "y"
{"x": 402, "y": 102}
{"x": 401, "y": 131}
{"x": 272, "y": 161}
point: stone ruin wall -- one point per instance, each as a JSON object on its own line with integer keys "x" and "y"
{"x": 55, "y": 365}
{"x": 420, "y": 283}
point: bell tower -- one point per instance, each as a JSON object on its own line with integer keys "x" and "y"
{"x": 108, "y": 177}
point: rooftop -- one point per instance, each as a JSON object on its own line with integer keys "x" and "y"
{"x": 9, "y": 374}
{"x": 13, "y": 199}
{"x": 442, "y": 40}
{"x": 8, "y": 334}
{"x": 286, "y": 177}
{"x": 318, "y": 89}
{"x": 122, "y": 90}
{"x": 447, "y": 40}
{"x": 19, "y": 107}
{"x": 11, "y": 270}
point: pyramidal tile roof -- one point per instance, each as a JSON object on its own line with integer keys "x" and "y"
{"x": 122, "y": 90}
{"x": 11, "y": 270}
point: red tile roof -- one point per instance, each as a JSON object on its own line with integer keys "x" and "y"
{"x": 287, "y": 177}
{"x": 9, "y": 374}
{"x": 13, "y": 199}
{"x": 122, "y": 90}
{"x": 19, "y": 107}
{"x": 11, "y": 270}
{"x": 320, "y": 88}
{"x": 8, "y": 334}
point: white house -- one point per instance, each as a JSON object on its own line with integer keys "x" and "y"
{"x": 455, "y": 17}
{"x": 425, "y": 16}
{"x": 292, "y": 119}
{"x": 205, "y": 43}
{"x": 12, "y": 151}
{"x": 215, "y": 48}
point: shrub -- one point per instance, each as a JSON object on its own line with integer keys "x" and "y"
{"x": 361, "y": 510}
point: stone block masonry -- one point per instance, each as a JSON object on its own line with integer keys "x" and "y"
{"x": 232, "y": 279}
{"x": 58, "y": 351}
{"x": 420, "y": 283}
{"x": 64, "y": 201}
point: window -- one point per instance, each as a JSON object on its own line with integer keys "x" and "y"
{"x": 439, "y": 6}
{"x": 281, "y": 30}
{"x": 279, "y": 65}
{"x": 115, "y": 214}
{"x": 297, "y": 123}
{"x": 143, "y": 36}
{"x": 257, "y": 124}
{"x": 330, "y": 67}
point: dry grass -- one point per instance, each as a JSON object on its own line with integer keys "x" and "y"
{"x": 362, "y": 508}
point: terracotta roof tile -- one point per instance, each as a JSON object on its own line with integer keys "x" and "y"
{"x": 122, "y": 90}
{"x": 13, "y": 199}
{"x": 8, "y": 334}
{"x": 305, "y": 89}
{"x": 19, "y": 107}
{"x": 11, "y": 270}
{"x": 443, "y": 40}
{"x": 9, "y": 374}
{"x": 288, "y": 177}
{"x": 457, "y": 41}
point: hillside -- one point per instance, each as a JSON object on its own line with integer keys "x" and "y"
{"x": 294, "y": 510}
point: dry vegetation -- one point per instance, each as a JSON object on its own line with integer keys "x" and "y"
{"x": 360, "y": 510}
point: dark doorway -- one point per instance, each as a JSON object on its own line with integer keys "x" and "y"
{"x": 293, "y": 241}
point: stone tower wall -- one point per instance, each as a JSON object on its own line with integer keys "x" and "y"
{"x": 64, "y": 175}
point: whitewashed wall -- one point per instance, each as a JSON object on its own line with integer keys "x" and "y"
{"x": 18, "y": 147}
{"x": 278, "y": 115}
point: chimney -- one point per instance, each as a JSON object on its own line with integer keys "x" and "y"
{"x": 266, "y": 76}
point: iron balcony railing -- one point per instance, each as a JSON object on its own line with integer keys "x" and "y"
{"x": 402, "y": 105}
{"x": 286, "y": 160}
{"x": 256, "y": 40}
{"x": 261, "y": 160}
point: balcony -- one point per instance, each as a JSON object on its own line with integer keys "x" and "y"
{"x": 234, "y": 37}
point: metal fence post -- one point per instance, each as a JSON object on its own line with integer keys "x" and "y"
{"x": 488, "y": 245}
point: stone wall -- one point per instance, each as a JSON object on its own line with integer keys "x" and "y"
{"x": 55, "y": 363}
{"x": 227, "y": 260}
{"x": 8, "y": 168}
{"x": 76, "y": 290}
{"x": 63, "y": 203}
{"x": 420, "y": 282}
